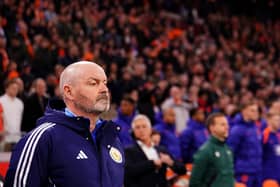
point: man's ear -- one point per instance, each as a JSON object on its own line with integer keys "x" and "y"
{"x": 68, "y": 92}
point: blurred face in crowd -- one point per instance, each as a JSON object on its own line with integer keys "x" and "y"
{"x": 200, "y": 116}
{"x": 40, "y": 87}
{"x": 220, "y": 128}
{"x": 169, "y": 116}
{"x": 176, "y": 93}
{"x": 126, "y": 108}
{"x": 156, "y": 138}
{"x": 12, "y": 89}
{"x": 251, "y": 113}
{"x": 274, "y": 122}
{"x": 85, "y": 85}
{"x": 142, "y": 130}
{"x": 275, "y": 107}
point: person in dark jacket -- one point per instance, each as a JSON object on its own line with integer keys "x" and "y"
{"x": 245, "y": 142}
{"x": 194, "y": 135}
{"x": 213, "y": 163}
{"x": 271, "y": 147}
{"x": 34, "y": 106}
{"x": 146, "y": 163}
{"x": 72, "y": 147}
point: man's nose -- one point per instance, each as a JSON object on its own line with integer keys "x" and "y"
{"x": 103, "y": 87}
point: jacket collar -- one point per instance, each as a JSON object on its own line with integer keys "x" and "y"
{"x": 216, "y": 140}
{"x": 55, "y": 112}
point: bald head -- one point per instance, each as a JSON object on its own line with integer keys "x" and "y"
{"x": 74, "y": 72}
{"x": 83, "y": 86}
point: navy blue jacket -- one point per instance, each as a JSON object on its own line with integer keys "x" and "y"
{"x": 61, "y": 152}
{"x": 125, "y": 123}
{"x": 245, "y": 141}
{"x": 271, "y": 154}
{"x": 169, "y": 139}
{"x": 191, "y": 139}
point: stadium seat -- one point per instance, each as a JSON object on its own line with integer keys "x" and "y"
{"x": 238, "y": 184}
{"x": 270, "y": 183}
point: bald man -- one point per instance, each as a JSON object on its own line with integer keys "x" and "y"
{"x": 72, "y": 146}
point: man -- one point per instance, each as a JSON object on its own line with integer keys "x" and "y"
{"x": 213, "y": 163}
{"x": 245, "y": 143}
{"x": 194, "y": 135}
{"x": 72, "y": 147}
{"x": 180, "y": 107}
{"x": 167, "y": 132}
{"x": 34, "y": 105}
{"x": 125, "y": 115}
{"x": 12, "y": 114}
{"x": 271, "y": 147}
{"x": 146, "y": 163}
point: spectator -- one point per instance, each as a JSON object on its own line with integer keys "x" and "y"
{"x": 194, "y": 135}
{"x": 145, "y": 163}
{"x": 245, "y": 142}
{"x": 12, "y": 114}
{"x": 213, "y": 163}
{"x": 34, "y": 105}
{"x": 180, "y": 107}
{"x": 156, "y": 138}
{"x": 68, "y": 140}
{"x": 169, "y": 138}
{"x": 271, "y": 144}
{"x": 126, "y": 113}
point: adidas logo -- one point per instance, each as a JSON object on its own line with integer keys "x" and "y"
{"x": 81, "y": 155}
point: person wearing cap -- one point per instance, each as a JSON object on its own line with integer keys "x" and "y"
{"x": 72, "y": 146}
{"x": 213, "y": 163}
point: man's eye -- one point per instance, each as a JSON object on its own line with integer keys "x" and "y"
{"x": 93, "y": 83}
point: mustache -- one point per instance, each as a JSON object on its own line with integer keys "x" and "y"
{"x": 103, "y": 96}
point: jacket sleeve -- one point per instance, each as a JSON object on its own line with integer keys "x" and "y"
{"x": 29, "y": 161}
{"x": 178, "y": 167}
{"x": 234, "y": 139}
{"x": 136, "y": 168}
{"x": 186, "y": 139}
{"x": 200, "y": 166}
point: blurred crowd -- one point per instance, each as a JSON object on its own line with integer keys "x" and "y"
{"x": 195, "y": 57}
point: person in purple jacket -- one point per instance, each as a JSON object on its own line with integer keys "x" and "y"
{"x": 271, "y": 147}
{"x": 245, "y": 142}
{"x": 167, "y": 130}
{"x": 194, "y": 135}
{"x": 126, "y": 113}
{"x": 72, "y": 146}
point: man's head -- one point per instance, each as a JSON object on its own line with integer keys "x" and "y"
{"x": 250, "y": 111}
{"x": 155, "y": 137}
{"x": 40, "y": 87}
{"x": 273, "y": 120}
{"x": 127, "y": 106}
{"x": 11, "y": 88}
{"x": 169, "y": 116}
{"x": 142, "y": 128}
{"x": 176, "y": 92}
{"x": 275, "y": 107}
{"x": 197, "y": 114}
{"x": 217, "y": 126}
{"x": 84, "y": 88}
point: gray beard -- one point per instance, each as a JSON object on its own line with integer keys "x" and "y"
{"x": 92, "y": 110}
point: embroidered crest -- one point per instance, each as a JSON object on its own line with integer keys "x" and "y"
{"x": 217, "y": 154}
{"x": 115, "y": 155}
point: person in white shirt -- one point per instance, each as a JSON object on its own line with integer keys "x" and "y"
{"x": 146, "y": 163}
{"x": 12, "y": 114}
{"x": 180, "y": 106}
